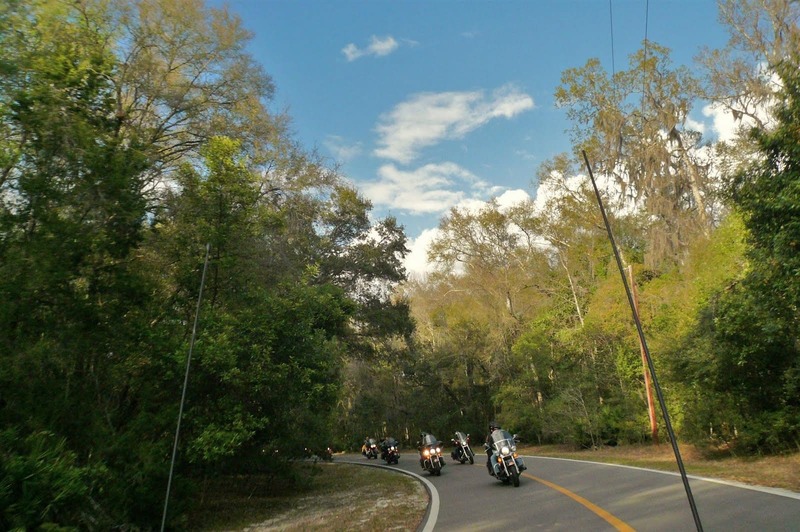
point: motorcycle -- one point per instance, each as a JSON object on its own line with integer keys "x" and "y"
{"x": 370, "y": 449}
{"x": 390, "y": 452}
{"x": 327, "y": 454}
{"x": 506, "y": 464}
{"x": 430, "y": 454}
{"x": 462, "y": 451}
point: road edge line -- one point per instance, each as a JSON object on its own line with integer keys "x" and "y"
{"x": 782, "y": 492}
{"x": 432, "y": 513}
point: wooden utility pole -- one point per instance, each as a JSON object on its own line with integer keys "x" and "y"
{"x": 648, "y": 387}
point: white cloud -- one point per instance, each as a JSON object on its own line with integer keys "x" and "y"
{"x": 428, "y": 118}
{"x": 727, "y": 127}
{"x": 416, "y": 261}
{"x": 695, "y": 125}
{"x": 511, "y": 198}
{"x": 428, "y": 189}
{"x": 723, "y": 123}
{"x": 340, "y": 149}
{"x": 377, "y": 47}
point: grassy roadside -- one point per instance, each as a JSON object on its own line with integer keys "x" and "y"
{"x": 771, "y": 471}
{"x": 342, "y": 497}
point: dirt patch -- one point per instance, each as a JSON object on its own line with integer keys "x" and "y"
{"x": 344, "y": 497}
{"x": 350, "y": 509}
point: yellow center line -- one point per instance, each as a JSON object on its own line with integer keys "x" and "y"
{"x": 614, "y": 521}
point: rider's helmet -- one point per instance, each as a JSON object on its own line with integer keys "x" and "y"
{"x": 493, "y": 426}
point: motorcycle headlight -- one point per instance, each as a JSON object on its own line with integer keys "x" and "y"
{"x": 426, "y": 452}
{"x": 504, "y": 450}
{"x": 514, "y": 448}
{"x": 438, "y": 449}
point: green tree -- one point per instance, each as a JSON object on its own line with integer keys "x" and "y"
{"x": 112, "y": 184}
{"x": 74, "y": 302}
{"x": 764, "y": 367}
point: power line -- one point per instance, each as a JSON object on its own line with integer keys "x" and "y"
{"x": 611, "y": 19}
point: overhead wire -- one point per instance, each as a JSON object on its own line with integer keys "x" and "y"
{"x": 611, "y": 20}
{"x": 644, "y": 74}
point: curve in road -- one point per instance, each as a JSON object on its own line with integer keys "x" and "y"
{"x": 433, "y": 508}
{"x": 583, "y": 495}
{"x": 611, "y": 519}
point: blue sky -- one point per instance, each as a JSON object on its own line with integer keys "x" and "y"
{"x": 431, "y": 104}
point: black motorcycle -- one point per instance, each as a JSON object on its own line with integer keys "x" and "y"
{"x": 390, "y": 452}
{"x": 430, "y": 454}
{"x": 370, "y": 449}
{"x": 327, "y": 454}
{"x": 506, "y": 464}
{"x": 461, "y": 450}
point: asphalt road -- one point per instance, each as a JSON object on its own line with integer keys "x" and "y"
{"x": 557, "y": 494}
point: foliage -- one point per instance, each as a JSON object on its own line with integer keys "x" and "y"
{"x": 124, "y": 152}
{"x": 634, "y": 127}
{"x": 41, "y": 483}
{"x": 757, "y": 326}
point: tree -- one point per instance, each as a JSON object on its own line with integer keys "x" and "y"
{"x": 645, "y": 144}
{"x": 768, "y": 193}
{"x": 112, "y": 184}
{"x": 185, "y": 76}
{"x": 740, "y": 79}
{"x": 743, "y": 355}
{"x": 74, "y": 304}
{"x": 496, "y": 255}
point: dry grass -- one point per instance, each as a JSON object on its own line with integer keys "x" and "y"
{"x": 772, "y": 471}
{"x": 342, "y": 497}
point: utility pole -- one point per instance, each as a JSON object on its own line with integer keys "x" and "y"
{"x": 648, "y": 387}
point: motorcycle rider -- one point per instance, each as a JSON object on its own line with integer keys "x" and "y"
{"x": 384, "y": 444}
{"x": 419, "y": 448}
{"x": 455, "y": 451}
{"x": 458, "y": 450}
{"x": 493, "y": 426}
{"x": 365, "y": 447}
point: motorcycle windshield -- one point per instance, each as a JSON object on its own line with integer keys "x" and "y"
{"x": 429, "y": 440}
{"x": 502, "y": 438}
{"x": 372, "y": 442}
{"x": 390, "y": 442}
{"x": 461, "y": 437}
